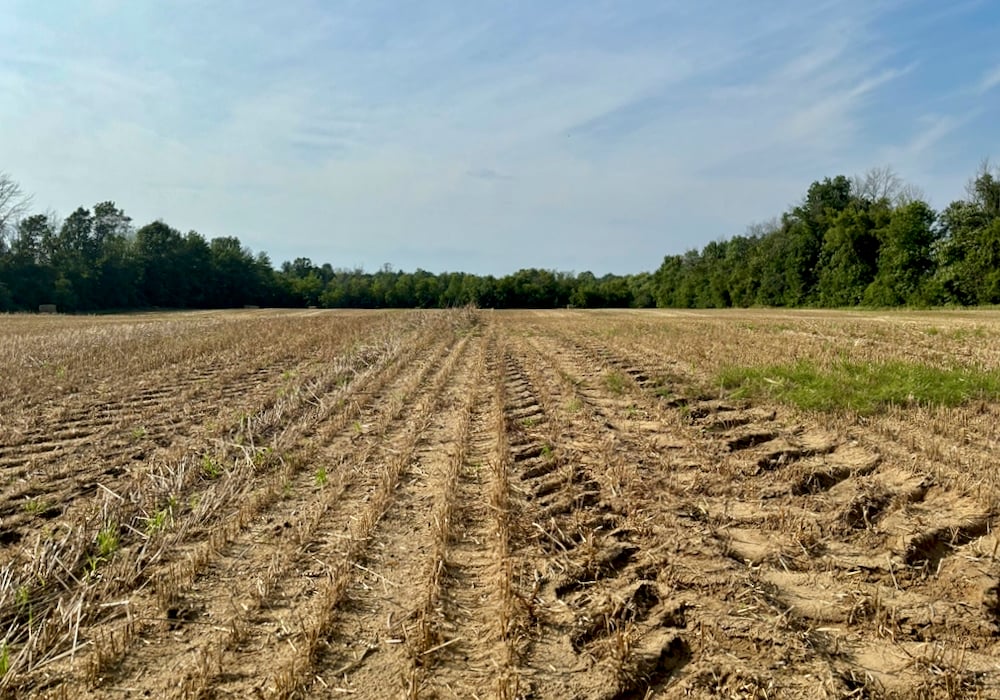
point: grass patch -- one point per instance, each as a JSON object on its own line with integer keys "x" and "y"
{"x": 860, "y": 387}
{"x": 36, "y": 506}
{"x": 210, "y": 469}
{"x": 615, "y": 381}
{"x": 107, "y": 540}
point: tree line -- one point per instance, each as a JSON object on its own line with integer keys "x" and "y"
{"x": 867, "y": 241}
{"x": 864, "y": 241}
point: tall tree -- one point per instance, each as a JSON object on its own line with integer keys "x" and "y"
{"x": 236, "y": 275}
{"x": 969, "y": 252}
{"x": 805, "y": 233}
{"x": 850, "y": 253}
{"x": 905, "y": 258}
{"x": 29, "y": 276}
{"x": 74, "y": 254}
{"x": 117, "y": 271}
{"x": 161, "y": 254}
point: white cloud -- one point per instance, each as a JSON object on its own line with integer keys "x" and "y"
{"x": 510, "y": 137}
{"x": 989, "y": 80}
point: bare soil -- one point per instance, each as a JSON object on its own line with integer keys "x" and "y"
{"x": 477, "y": 504}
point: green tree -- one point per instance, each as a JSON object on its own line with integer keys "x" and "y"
{"x": 117, "y": 271}
{"x": 905, "y": 258}
{"x": 968, "y": 269}
{"x": 75, "y": 255}
{"x": 804, "y": 237}
{"x": 161, "y": 254}
{"x": 850, "y": 253}
{"x": 237, "y": 278}
{"x": 30, "y": 278}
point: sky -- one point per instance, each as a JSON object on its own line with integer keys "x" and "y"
{"x": 491, "y": 135}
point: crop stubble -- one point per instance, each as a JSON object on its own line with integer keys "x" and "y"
{"x": 478, "y": 504}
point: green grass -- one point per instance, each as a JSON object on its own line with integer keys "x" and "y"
{"x": 158, "y": 522}
{"x": 615, "y": 381}
{"x": 107, "y": 540}
{"x": 36, "y": 506}
{"x": 860, "y": 387}
{"x": 210, "y": 469}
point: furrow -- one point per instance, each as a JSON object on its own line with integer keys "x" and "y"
{"x": 247, "y": 496}
{"x": 391, "y": 604}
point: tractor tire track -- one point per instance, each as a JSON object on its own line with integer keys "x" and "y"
{"x": 238, "y": 574}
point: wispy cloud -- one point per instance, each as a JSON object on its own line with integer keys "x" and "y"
{"x": 560, "y": 134}
{"x": 990, "y": 80}
{"x": 935, "y": 129}
{"x": 835, "y": 114}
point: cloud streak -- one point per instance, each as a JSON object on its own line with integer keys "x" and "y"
{"x": 989, "y": 80}
{"x": 480, "y": 136}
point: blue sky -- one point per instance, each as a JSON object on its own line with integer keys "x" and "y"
{"x": 491, "y": 135}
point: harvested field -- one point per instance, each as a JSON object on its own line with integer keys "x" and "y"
{"x": 461, "y": 504}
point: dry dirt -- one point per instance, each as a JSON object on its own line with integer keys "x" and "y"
{"x": 482, "y": 504}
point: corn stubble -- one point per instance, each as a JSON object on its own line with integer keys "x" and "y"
{"x": 468, "y": 503}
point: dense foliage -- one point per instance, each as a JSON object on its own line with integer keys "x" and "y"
{"x": 867, "y": 241}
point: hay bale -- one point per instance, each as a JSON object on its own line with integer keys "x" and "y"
{"x": 46, "y": 308}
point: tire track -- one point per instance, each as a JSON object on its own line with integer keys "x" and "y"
{"x": 387, "y": 627}
{"x": 242, "y": 564}
{"x": 471, "y": 601}
{"x": 256, "y": 485}
{"x": 606, "y": 613}
{"x": 643, "y": 597}
{"x": 797, "y": 486}
{"x": 341, "y": 556}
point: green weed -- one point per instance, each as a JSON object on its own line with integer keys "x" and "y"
{"x": 263, "y": 456}
{"x": 321, "y": 477}
{"x": 22, "y": 600}
{"x": 860, "y": 387}
{"x": 158, "y": 522}
{"x": 36, "y": 506}
{"x": 615, "y": 381}
{"x": 107, "y": 540}
{"x": 210, "y": 468}
{"x": 961, "y": 334}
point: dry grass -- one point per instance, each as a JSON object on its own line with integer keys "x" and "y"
{"x": 220, "y": 490}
